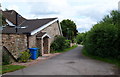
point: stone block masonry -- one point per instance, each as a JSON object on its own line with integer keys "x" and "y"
{"x": 52, "y": 31}
{"x": 15, "y": 43}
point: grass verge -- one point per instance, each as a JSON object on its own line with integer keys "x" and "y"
{"x": 108, "y": 60}
{"x": 10, "y": 68}
{"x": 67, "y": 49}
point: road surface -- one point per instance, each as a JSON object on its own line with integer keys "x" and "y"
{"x": 68, "y": 63}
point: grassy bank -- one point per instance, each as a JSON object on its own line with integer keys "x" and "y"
{"x": 67, "y": 49}
{"x": 108, "y": 60}
{"x": 10, "y": 68}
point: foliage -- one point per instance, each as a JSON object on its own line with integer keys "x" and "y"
{"x": 67, "y": 43}
{"x": 75, "y": 40}
{"x": 6, "y": 9}
{"x": 59, "y": 43}
{"x": 109, "y": 60}
{"x": 11, "y": 68}
{"x": 2, "y": 20}
{"x": 5, "y": 59}
{"x": 100, "y": 40}
{"x": 25, "y": 56}
{"x": 81, "y": 38}
{"x": 103, "y": 39}
{"x": 65, "y": 50}
{"x": 68, "y": 29}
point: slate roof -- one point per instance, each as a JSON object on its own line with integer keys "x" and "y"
{"x": 30, "y": 24}
{"x": 11, "y": 16}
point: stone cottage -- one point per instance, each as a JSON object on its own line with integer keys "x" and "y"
{"x": 20, "y": 33}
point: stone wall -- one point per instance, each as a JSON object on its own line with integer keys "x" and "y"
{"x": 14, "y": 43}
{"x": 39, "y": 42}
{"x": 52, "y": 31}
{"x": 17, "y": 43}
{"x": 32, "y": 41}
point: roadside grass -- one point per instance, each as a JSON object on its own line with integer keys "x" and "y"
{"x": 65, "y": 50}
{"x": 108, "y": 60}
{"x": 0, "y": 69}
{"x": 10, "y": 68}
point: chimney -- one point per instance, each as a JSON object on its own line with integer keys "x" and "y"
{"x": 119, "y": 6}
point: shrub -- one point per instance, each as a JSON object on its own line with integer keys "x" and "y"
{"x": 6, "y": 59}
{"x": 24, "y": 56}
{"x": 60, "y": 43}
{"x": 81, "y": 38}
{"x": 103, "y": 40}
{"x": 67, "y": 43}
{"x": 100, "y": 41}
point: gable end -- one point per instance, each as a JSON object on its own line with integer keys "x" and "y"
{"x": 44, "y": 26}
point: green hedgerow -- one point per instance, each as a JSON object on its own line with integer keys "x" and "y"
{"x": 100, "y": 41}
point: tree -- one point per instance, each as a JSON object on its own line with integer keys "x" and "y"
{"x": 81, "y": 38}
{"x": 112, "y": 18}
{"x": 2, "y": 20}
{"x": 68, "y": 29}
{"x": 6, "y": 9}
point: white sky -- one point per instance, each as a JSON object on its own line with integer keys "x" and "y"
{"x": 84, "y": 13}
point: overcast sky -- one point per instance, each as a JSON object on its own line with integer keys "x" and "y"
{"x": 85, "y": 13}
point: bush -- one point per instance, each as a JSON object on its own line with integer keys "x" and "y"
{"x": 103, "y": 40}
{"x": 100, "y": 41}
{"x": 5, "y": 59}
{"x": 67, "y": 43}
{"x": 25, "y": 56}
{"x": 60, "y": 43}
{"x": 81, "y": 38}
